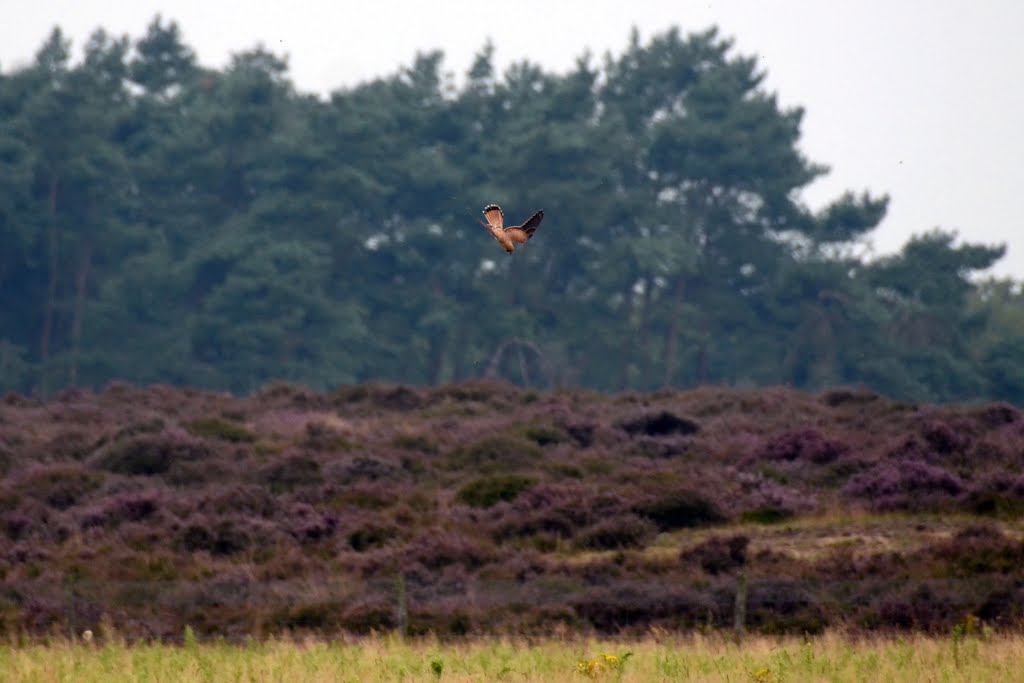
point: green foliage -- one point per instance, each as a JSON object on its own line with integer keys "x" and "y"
{"x": 499, "y": 450}
{"x": 216, "y": 428}
{"x": 164, "y": 222}
{"x": 488, "y": 491}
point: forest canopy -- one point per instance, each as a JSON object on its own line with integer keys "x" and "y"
{"x": 166, "y": 222}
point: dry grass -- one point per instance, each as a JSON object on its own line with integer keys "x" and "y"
{"x": 833, "y": 657}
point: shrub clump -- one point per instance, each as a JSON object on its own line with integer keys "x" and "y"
{"x": 680, "y": 509}
{"x": 622, "y": 531}
{"x": 718, "y": 554}
{"x": 801, "y": 444}
{"x": 499, "y": 449}
{"x": 488, "y": 491}
{"x": 905, "y": 485}
{"x": 222, "y": 430}
{"x": 661, "y": 423}
{"x": 292, "y": 471}
{"x": 149, "y": 454}
{"x": 59, "y": 486}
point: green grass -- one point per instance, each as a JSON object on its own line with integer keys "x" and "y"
{"x": 659, "y": 657}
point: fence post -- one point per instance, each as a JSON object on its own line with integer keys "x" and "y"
{"x": 403, "y": 608}
{"x": 740, "y": 613}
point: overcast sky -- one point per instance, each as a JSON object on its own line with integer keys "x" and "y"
{"x": 919, "y": 99}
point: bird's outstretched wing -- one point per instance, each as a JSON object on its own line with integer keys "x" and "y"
{"x": 495, "y": 217}
{"x": 521, "y": 233}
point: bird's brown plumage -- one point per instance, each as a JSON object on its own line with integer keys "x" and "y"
{"x": 513, "y": 234}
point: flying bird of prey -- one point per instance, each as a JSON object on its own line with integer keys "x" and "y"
{"x": 508, "y": 237}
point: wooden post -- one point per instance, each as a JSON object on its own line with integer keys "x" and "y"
{"x": 403, "y": 607}
{"x": 740, "y": 613}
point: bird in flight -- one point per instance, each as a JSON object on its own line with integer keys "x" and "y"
{"x": 508, "y": 237}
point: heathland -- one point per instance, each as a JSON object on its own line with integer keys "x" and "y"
{"x": 480, "y": 509}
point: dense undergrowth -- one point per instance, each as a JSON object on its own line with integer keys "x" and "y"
{"x": 501, "y": 511}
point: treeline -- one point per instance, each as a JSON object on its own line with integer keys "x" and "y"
{"x": 164, "y": 222}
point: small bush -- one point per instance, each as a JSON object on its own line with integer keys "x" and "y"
{"x": 980, "y": 549}
{"x": 622, "y": 531}
{"x": 906, "y": 485}
{"x": 502, "y": 450}
{"x": 801, "y": 444}
{"x": 124, "y": 507}
{"x": 718, "y": 554}
{"x": 778, "y": 606}
{"x": 485, "y": 492}
{"x": 421, "y": 443}
{"x": 320, "y": 436}
{"x": 371, "y": 535}
{"x": 223, "y": 537}
{"x": 843, "y": 397}
{"x": 215, "y": 428}
{"x": 680, "y": 509}
{"x": 545, "y": 435}
{"x": 149, "y": 454}
{"x": 291, "y": 471}
{"x": 662, "y": 423}
{"x": 623, "y": 604}
{"x": 59, "y": 486}
{"x": 766, "y": 515}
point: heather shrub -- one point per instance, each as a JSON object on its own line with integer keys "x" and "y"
{"x": 980, "y": 549}
{"x": 369, "y": 534}
{"x": 121, "y": 507}
{"x": 27, "y": 519}
{"x": 905, "y": 485}
{"x": 291, "y": 471}
{"x": 553, "y": 509}
{"x": 149, "y": 454}
{"x": 718, "y": 554}
{"x": 763, "y": 500}
{"x": 679, "y": 509}
{"x": 581, "y": 432}
{"x": 545, "y": 435}
{"x": 806, "y": 444}
{"x": 843, "y": 397}
{"x": 998, "y": 494}
{"x": 499, "y": 450}
{"x": 384, "y": 396}
{"x": 931, "y": 606}
{"x": 306, "y": 524}
{"x": 783, "y": 606}
{"x": 943, "y": 439}
{"x": 360, "y": 468}
{"x": 620, "y": 605}
{"x": 223, "y": 536}
{"x": 421, "y": 443}
{"x": 320, "y": 436}
{"x": 376, "y": 496}
{"x": 373, "y": 613}
{"x": 488, "y": 491}
{"x": 621, "y": 531}
{"x": 238, "y": 498}
{"x": 59, "y": 486}
{"x": 995, "y": 415}
{"x": 437, "y": 549}
{"x": 150, "y": 426}
{"x": 222, "y": 430}
{"x": 660, "y": 423}
{"x": 321, "y": 616}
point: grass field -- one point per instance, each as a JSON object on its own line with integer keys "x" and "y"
{"x": 959, "y": 657}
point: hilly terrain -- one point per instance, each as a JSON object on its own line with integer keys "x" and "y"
{"x": 480, "y": 508}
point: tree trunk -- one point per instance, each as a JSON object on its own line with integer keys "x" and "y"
{"x": 81, "y": 285}
{"x": 51, "y": 287}
{"x": 672, "y": 337}
{"x": 436, "y": 370}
